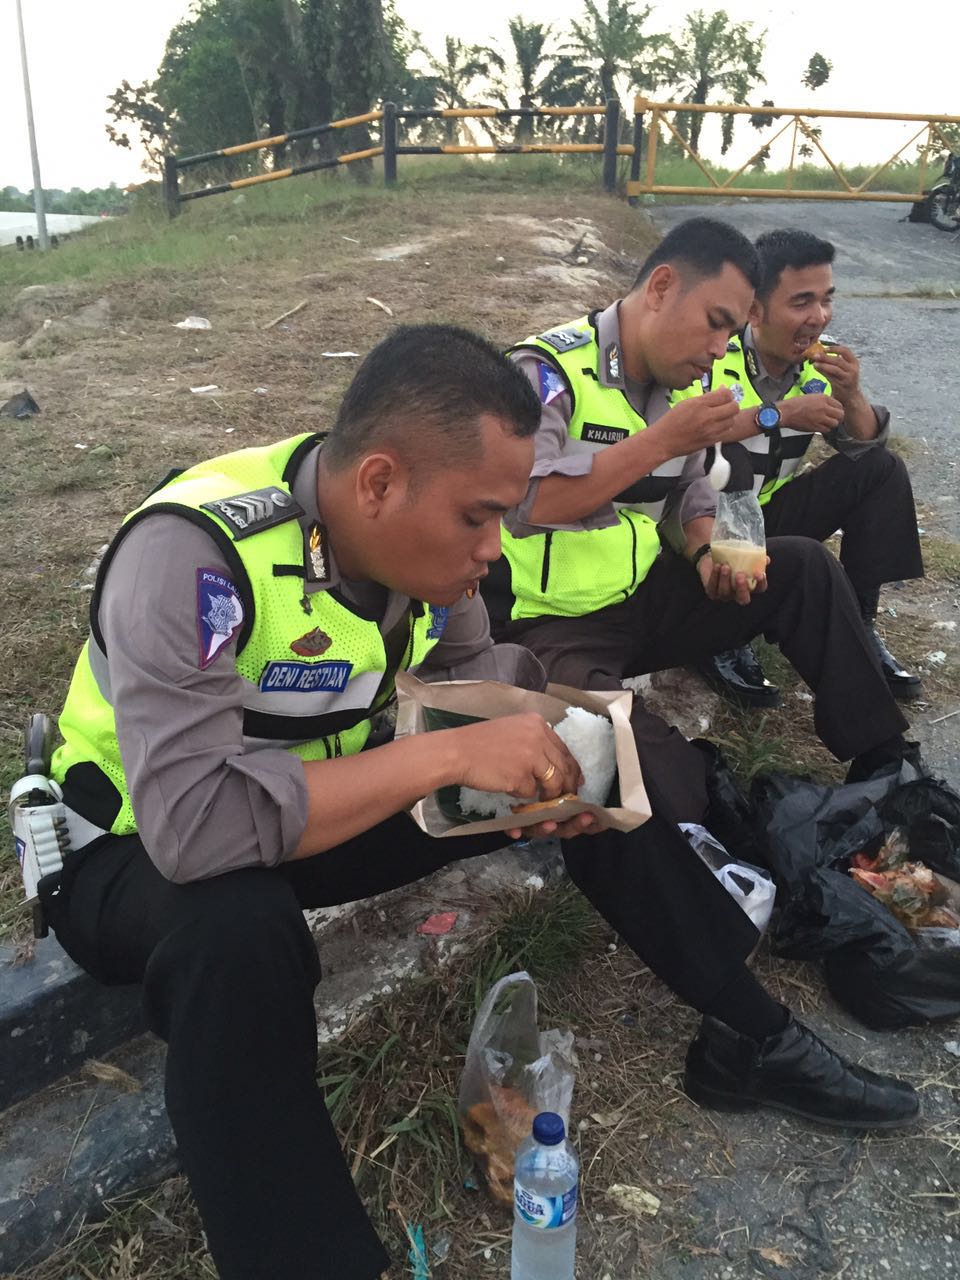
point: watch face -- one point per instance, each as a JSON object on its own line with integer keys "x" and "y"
{"x": 768, "y": 417}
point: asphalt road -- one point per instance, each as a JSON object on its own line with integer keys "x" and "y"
{"x": 909, "y": 345}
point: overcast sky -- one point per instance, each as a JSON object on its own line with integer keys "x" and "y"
{"x": 887, "y": 57}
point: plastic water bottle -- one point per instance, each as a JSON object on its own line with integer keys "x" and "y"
{"x": 545, "y": 1204}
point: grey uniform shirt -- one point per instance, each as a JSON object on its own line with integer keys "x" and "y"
{"x": 556, "y": 452}
{"x": 695, "y": 496}
{"x": 203, "y": 805}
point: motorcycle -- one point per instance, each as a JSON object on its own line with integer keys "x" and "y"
{"x": 943, "y": 200}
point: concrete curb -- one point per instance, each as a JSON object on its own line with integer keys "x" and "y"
{"x": 53, "y": 1016}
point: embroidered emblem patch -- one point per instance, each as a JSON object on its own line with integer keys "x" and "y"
{"x": 305, "y": 677}
{"x": 565, "y": 339}
{"x": 312, "y": 644}
{"x": 247, "y": 513}
{"x": 813, "y": 387}
{"x": 316, "y": 546}
{"x": 736, "y": 391}
{"x": 551, "y": 384}
{"x": 219, "y": 613}
{"x": 438, "y": 621}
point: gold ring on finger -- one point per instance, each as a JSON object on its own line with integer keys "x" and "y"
{"x": 545, "y": 777}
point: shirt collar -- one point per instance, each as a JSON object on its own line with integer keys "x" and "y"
{"x": 790, "y": 374}
{"x": 610, "y": 372}
{"x": 321, "y": 571}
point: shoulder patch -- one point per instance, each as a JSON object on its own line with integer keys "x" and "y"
{"x": 813, "y": 387}
{"x": 219, "y": 613}
{"x": 566, "y": 339}
{"x": 552, "y": 386}
{"x": 251, "y": 512}
{"x": 438, "y": 621}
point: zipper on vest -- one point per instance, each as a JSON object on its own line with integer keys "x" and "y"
{"x": 545, "y": 570}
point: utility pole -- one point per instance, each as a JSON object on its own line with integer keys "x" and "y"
{"x": 37, "y": 184}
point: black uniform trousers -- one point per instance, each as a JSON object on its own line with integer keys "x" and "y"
{"x": 871, "y": 499}
{"x": 808, "y": 609}
{"x": 229, "y": 967}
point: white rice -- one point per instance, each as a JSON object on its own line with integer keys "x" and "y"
{"x": 589, "y": 738}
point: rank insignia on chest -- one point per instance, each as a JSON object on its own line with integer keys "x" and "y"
{"x": 312, "y": 644}
{"x": 317, "y": 553}
{"x": 753, "y": 366}
{"x": 613, "y": 362}
{"x": 247, "y": 513}
{"x": 565, "y": 339}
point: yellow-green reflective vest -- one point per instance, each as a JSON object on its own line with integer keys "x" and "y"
{"x": 313, "y": 670}
{"x": 774, "y": 460}
{"x": 572, "y": 573}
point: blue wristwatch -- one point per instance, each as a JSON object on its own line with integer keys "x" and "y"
{"x": 768, "y": 417}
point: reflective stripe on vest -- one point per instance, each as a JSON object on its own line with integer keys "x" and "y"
{"x": 315, "y": 706}
{"x": 570, "y": 573}
{"x": 772, "y": 469}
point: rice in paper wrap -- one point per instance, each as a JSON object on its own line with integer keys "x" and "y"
{"x": 423, "y": 707}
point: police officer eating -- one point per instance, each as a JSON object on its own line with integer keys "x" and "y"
{"x": 250, "y": 618}
{"x": 806, "y": 384}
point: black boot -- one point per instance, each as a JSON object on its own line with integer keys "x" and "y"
{"x": 736, "y": 674}
{"x": 903, "y": 684}
{"x": 792, "y": 1071}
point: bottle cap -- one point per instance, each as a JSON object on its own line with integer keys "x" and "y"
{"x": 548, "y": 1128}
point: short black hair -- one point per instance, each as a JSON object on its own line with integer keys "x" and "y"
{"x": 788, "y": 247}
{"x": 423, "y": 389}
{"x": 703, "y": 246}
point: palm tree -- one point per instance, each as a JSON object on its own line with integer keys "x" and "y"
{"x": 453, "y": 75}
{"x": 543, "y": 78}
{"x": 613, "y": 43}
{"x": 711, "y": 54}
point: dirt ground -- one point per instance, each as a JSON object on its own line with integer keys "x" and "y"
{"x": 738, "y": 1196}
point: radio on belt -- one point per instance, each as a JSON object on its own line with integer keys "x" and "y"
{"x": 38, "y": 817}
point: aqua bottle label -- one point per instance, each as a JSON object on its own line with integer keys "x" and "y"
{"x": 545, "y": 1211}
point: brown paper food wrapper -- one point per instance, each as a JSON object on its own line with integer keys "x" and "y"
{"x": 449, "y": 704}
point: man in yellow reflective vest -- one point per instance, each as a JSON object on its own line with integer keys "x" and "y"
{"x": 248, "y": 619}
{"x": 782, "y": 365}
{"x": 584, "y": 584}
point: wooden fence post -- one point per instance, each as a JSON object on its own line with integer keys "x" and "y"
{"x": 611, "y": 130}
{"x": 171, "y": 185}
{"x": 388, "y": 127}
{"x": 637, "y": 148}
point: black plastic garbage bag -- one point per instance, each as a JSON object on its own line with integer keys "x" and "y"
{"x": 809, "y": 832}
{"x": 921, "y": 986}
{"x": 730, "y": 815}
{"x": 21, "y": 405}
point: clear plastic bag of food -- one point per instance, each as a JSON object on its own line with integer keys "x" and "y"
{"x": 512, "y": 1072}
{"x": 738, "y": 538}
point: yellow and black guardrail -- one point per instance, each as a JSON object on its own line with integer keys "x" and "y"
{"x": 649, "y": 120}
{"x": 390, "y": 148}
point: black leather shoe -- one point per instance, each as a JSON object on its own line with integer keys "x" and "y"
{"x": 904, "y": 685}
{"x": 736, "y": 675}
{"x": 792, "y": 1071}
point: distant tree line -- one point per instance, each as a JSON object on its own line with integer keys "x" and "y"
{"x": 111, "y": 200}
{"x": 236, "y": 70}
